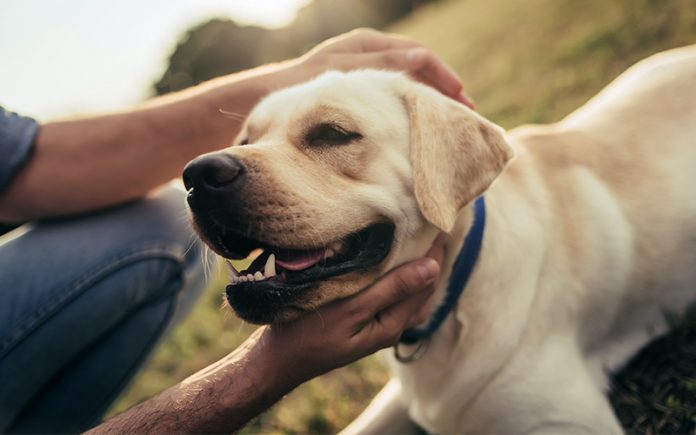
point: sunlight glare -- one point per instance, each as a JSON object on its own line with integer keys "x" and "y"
{"x": 84, "y": 56}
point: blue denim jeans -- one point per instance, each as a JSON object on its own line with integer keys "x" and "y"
{"x": 83, "y": 301}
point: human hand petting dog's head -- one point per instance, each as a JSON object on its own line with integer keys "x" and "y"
{"x": 349, "y": 329}
{"x": 368, "y": 48}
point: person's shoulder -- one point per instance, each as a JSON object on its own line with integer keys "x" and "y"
{"x": 17, "y": 136}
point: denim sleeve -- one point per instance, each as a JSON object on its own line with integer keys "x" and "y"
{"x": 17, "y": 134}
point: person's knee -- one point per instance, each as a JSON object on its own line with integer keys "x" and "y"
{"x": 160, "y": 219}
{"x": 76, "y": 281}
{"x": 140, "y": 246}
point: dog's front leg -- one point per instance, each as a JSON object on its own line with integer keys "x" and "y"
{"x": 387, "y": 413}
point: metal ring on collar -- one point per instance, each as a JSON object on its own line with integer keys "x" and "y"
{"x": 417, "y": 353}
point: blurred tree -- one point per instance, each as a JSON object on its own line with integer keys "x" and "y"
{"x": 220, "y": 47}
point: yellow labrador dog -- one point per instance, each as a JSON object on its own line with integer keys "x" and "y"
{"x": 590, "y": 234}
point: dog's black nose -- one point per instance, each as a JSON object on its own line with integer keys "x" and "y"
{"x": 210, "y": 175}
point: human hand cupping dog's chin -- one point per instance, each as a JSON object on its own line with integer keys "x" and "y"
{"x": 349, "y": 329}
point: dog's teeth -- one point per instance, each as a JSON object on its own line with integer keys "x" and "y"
{"x": 269, "y": 270}
{"x": 250, "y": 278}
{"x": 329, "y": 253}
{"x": 259, "y": 276}
{"x": 231, "y": 271}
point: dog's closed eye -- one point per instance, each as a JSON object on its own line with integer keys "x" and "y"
{"x": 330, "y": 134}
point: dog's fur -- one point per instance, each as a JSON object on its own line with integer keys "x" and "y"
{"x": 590, "y": 237}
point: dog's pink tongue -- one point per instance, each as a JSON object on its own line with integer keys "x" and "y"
{"x": 299, "y": 260}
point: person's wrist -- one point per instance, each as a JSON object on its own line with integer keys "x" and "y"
{"x": 236, "y": 94}
{"x": 253, "y": 372}
{"x": 278, "y": 366}
{"x": 289, "y": 72}
{"x": 290, "y": 367}
{"x": 260, "y": 81}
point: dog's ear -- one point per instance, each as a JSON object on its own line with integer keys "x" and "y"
{"x": 455, "y": 153}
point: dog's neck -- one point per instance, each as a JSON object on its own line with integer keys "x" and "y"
{"x": 453, "y": 244}
{"x": 463, "y": 264}
{"x": 500, "y": 225}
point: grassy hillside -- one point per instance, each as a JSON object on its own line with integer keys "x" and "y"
{"x": 535, "y": 60}
{"x": 522, "y": 61}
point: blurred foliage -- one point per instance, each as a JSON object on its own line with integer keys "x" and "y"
{"x": 536, "y": 60}
{"x": 220, "y": 47}
{"x": 523, "y": 61}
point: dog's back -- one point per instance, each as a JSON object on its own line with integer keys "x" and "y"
{"x": 636, "y": 142}
{"x": 608, "y": 194}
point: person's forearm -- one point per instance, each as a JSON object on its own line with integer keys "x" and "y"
{"x": 224, "y": 396}
{"x": 218, "y": 399}
{"x": 89, "y": 163}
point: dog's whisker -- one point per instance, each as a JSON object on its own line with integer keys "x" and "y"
{"x": 232, "y": 115}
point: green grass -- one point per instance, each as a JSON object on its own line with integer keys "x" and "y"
{"x": 656, "y": 392}
{"x": 523, "y": 61}
{"x": 536, "y": 60}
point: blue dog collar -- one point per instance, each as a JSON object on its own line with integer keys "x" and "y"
{"x": 461, "y": 271}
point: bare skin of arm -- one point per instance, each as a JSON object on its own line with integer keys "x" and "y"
{"x": 275, "y": 359}
{"x": 84, "y": 164}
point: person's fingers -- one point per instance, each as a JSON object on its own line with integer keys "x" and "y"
{"x": 363, "y": 40}
{"x": 422, "y": 312}
{"x": 420, "y": 62}
{"x": 437, "y": 253}
{"x": 387, "y": 326}
{"x": 387, "y": 41}
{"x": 397, "y": 285}
{"x": 368, "y": 48}
{"x": 429, "y": 68}
{"x": 401, "y": 310}
{"x": 437, "y": 249}
{"x": 369, "y": 40}
{"x": 401, "y": 283}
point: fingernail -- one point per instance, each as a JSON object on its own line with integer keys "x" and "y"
{"x": 415, "y": 55}
{"x": 427, "y": 269}
{"x": 440, "y": 238}
{"x": 467, "y": 100}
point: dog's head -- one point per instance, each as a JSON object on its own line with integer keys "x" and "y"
{"x": 338, "y": 180}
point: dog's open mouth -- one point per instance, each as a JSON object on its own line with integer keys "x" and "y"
{"x": 298, "y": 266}
{"x": 276, "y": 277}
